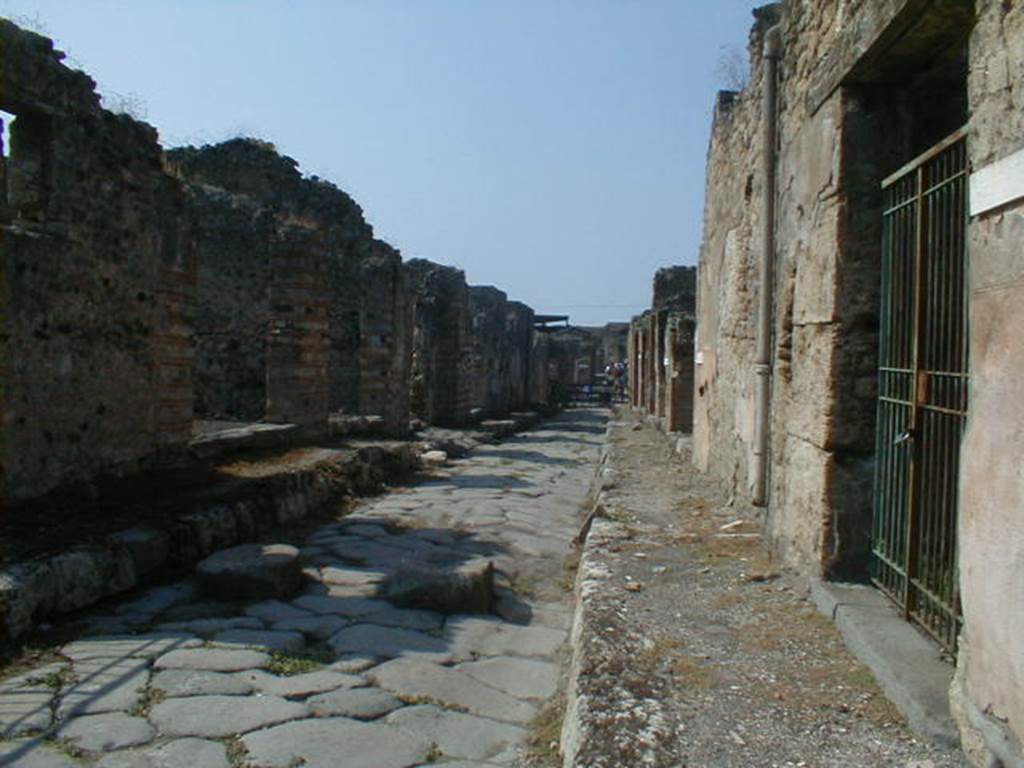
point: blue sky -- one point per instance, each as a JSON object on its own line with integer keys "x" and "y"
{"x": 554, "y": 148}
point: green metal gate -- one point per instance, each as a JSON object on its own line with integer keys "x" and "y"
{"x": 922, "y": 387}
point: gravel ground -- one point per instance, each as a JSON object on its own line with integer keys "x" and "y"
{"x": 695, "y": 648}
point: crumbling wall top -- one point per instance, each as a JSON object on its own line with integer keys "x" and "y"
{"x": 33, "y": 79}
{"x": 255, "y": 168}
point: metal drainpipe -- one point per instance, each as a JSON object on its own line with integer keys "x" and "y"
{"x": 763, "y": 356}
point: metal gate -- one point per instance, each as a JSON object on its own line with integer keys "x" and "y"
{"x": 922, "y": 387}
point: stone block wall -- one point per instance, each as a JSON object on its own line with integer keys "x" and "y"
{"x": 520, "y": 335}
{"x": 836, "y": 143}
{"x": 234, "y": 236}
{"x": 385, "y": 338}
{"x": 539, "y": 379}
{"x": 97, "y": 278}
{"x": 297, "y": 338}
{"x": 256, "y": 203}
{"x": 863, "y": 89}
{"x": 491, "y": 349}
{"x": 442, "y": 389}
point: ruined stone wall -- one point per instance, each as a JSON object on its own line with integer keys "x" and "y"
{"x": 679, "y": 338}
{"x": 992, "y": 486}
{"x": 98, "y": 282}
{"x": 675, "y": 289}
{"x": 361, "y": 290}
{"x": 385, "y": 348}
{"x": 491, "y": 349}
{"x": 539, "y": 380}
{"x": 297, "y": 341}
{"x": 233, "y": 242}
{"x": 519, "y": 331}
{"x": 442, "y": 390}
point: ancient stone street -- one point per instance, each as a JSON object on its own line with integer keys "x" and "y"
{"x": 337, "y": 675}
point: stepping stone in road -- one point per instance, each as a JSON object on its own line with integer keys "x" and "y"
{"x": 251, "y": 572}
{"x": 465, "y": 588}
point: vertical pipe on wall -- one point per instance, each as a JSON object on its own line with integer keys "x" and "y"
{"x": 762, "y": 358}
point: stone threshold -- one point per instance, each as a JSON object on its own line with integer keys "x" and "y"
{"x": 907, "y": 665}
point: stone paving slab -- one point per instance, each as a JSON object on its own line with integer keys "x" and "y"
{"x": 273, "y": 611}
{"x": 318, "y": 743}
{"x": 457, "y": 734}
{"x": 180, "y": 753}
{"x": 195, "y": 682}
{"x": 104, "y": 685}
{"x": 99, "y": 733}
{"x": 358, "y": 703}
{"x": 317, "y": 627}
{"x": 342, "y": 606}
{"x": 371, "y": 639}
{"x": 213, "y": 659}
{"x": 298, "y": 685}
{"x": 471, "y": 636}
{"x": 263, "y": 639}
{"x": 522, "y": 678}
{"x": 144, "y": 646}
{"x": 212, "y": 625}
{"x": 220, "y": 716}
{"x": 23, "y": 713}
{"x": 33, "y": 753}
{"x": 419, "y": 679}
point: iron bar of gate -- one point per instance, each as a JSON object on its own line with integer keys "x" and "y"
{"x": 923, "y": 379}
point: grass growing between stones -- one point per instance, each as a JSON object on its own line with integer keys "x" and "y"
{"x": 238, "y": 755}
{"x": 416, "y": 699}
{"x": 545, "y": 734}
{"x": 570, "y": 568}
{"x": 150, "y": 698}
{"x": 287, "y": 664}
{"x": 65, "y": 747}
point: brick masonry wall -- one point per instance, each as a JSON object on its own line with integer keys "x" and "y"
{"x": 442, "y": 388}
{"x": 256, "y": 200}
{"x": 98, "y": 282}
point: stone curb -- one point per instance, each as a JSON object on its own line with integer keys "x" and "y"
{"x": 596, "y": 533}
{"x": 33, "y": 591}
